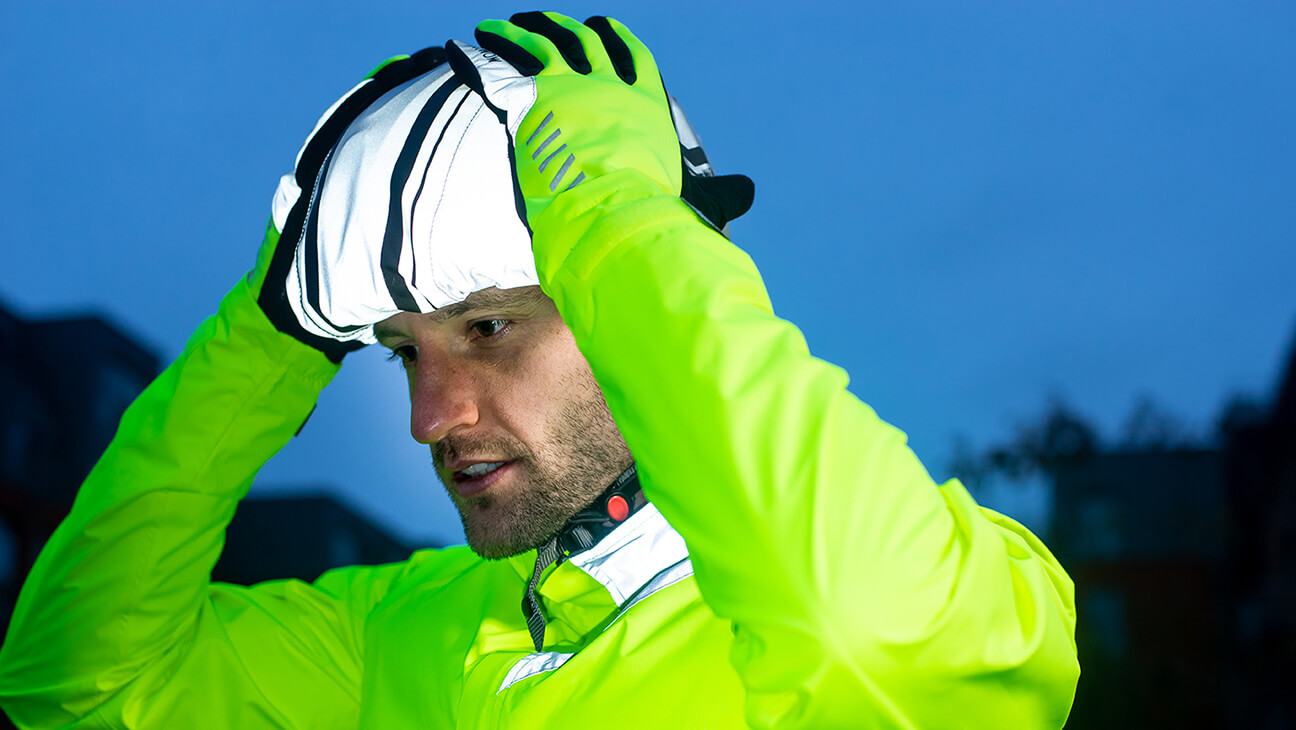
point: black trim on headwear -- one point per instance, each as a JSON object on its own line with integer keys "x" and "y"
{"x": 466, "y": 70}
{"x": 695, "y": 156}
{"x": 394, "y": 233}
{"x": 273, "y": 299}
{"x": 718, "y": 198}
{"x": 310, "y": 252}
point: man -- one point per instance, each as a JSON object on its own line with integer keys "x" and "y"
{"x": 772, "y": 555}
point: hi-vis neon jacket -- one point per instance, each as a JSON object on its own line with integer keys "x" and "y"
{"x": 797, "y": 568}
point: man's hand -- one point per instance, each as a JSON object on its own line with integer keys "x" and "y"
{"x": 583, "y": 100}
{"x": 580, "y": 101}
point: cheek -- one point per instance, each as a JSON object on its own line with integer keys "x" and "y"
{"x": 538, "y": 386}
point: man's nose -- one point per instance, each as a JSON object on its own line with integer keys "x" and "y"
{"x": 443, "y": 398}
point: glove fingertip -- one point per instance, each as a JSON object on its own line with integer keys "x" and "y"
{"x": 617, "y": 50}
{"x": 550, "y": 26}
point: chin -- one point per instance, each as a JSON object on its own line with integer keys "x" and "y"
{"x": 495, "y": 534}
{"x": 493, "y": 547}
{"x": 493, "y": 552}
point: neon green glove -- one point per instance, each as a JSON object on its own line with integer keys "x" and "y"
{"x": 579, "y": 100}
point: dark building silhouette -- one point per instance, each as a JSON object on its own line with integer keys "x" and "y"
{"x": 300, "y": 536}
{"x": 1143, "y": 537}
{"x": 1184, "y": 562}
{"x": 1260, "y": 469}
{"x": 66, "y": 382}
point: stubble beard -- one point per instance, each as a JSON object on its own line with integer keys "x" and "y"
{"x": 582, "y": 454}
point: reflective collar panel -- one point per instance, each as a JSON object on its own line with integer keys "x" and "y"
{"x": 605, "y": 556}
{"x": 633, "y": 554}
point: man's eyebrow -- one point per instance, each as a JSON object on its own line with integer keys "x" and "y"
{"x": 484, "y": 299}
{"x": 451, "y": 311}
{"x": 382, "y": 330}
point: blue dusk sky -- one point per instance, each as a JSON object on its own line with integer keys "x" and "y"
{"x": 968, "y": 206}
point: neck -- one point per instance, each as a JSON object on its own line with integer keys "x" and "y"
{"x": 614, "y": 506}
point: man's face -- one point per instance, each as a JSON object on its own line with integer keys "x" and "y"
{"x": 520, "y": 433}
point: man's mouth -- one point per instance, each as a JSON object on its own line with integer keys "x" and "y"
{"x": 479, "y": 477}
{"x": 477, "y": 470}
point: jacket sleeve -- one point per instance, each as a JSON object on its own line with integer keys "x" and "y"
{"x": 118, "y": 624}
{"x": 862, "y": 594}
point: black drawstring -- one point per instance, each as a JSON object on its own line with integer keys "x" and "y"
{"x": 545, "y": 557}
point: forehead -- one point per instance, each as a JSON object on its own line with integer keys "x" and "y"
{"x": 485, "y": 301}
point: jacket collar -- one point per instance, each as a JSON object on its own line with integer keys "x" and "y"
{"x": 620, "y": 539}
{"x": 587, "y": 528}
{"x": 590, "y": 584}
{"x": 633, "y": 554}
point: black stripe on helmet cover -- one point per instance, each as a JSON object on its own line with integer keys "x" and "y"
{"x": 418, "y": 195}
{"x": 274, "y": 297}
{"x": 465, "y": 69}
{"x": 394, "y": 234}
{"x": 695, "y": 156}
{"x": 311, "y": 253}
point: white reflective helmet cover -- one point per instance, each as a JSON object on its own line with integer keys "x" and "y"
{"x": 413, "y": 209}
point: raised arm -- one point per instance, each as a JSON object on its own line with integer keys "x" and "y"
{"x": 862, "y": 594}
{"x": 860, "y": 591}
{"x": 118, "y": 623}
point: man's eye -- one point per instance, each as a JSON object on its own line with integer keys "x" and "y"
{"x": 490, "y": 327}
{"x": 405, "y": 353}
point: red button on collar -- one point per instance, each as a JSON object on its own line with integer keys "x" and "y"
{"x": 618, "y": 508}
